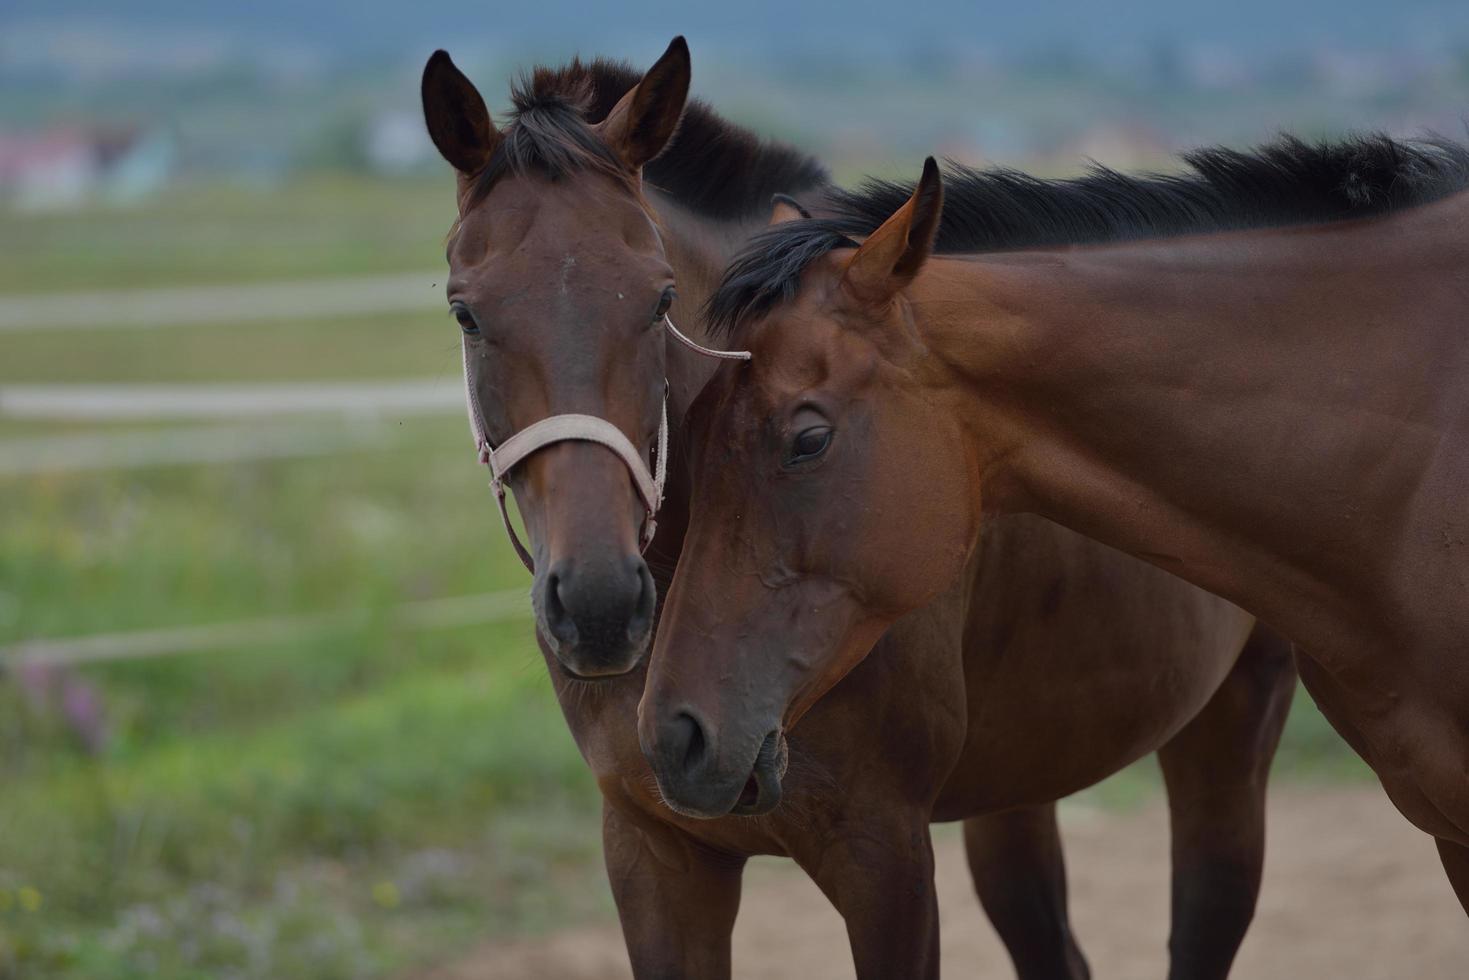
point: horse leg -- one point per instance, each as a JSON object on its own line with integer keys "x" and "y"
{"x": 1455, "y": 858}
{"x": 1216, "y": 770}
{"x": 676, "y": 899}
{"x": 1020, "y": 874}
{"x": 880, "y": 878}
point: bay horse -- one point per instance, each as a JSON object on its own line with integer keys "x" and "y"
{"x": 1254, "y": 375}
{"x": 576, "y": 221}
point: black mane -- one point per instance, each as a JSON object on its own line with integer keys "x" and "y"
{"x": 1287, "y": 182}
{"x": 711, "y": 165}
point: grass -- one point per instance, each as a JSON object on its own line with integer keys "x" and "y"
{"x": 338, "y": 799}
{"x": 405, "y": 790}
{"x": 333, "y": 807}
{"x": 338, "y": 806}
{"x": 88, "y": 552}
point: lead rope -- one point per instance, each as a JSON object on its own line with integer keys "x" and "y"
{"x": 559, "y": 428}
{"x": 728, "y": 355}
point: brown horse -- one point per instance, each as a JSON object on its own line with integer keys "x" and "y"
{"x": 573, "y": 226}
{"x": 1278, "y": 413}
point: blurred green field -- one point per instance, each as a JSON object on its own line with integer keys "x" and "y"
{"x": 359, "y": 348}
{"x": 337, "y": 806}
{"x": 407, "y": 789}
{"x": 233, "y": 233}
{"x": 343, "y": 805}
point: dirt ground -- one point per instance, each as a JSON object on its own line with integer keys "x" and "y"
{"x": 1351, "y": 891}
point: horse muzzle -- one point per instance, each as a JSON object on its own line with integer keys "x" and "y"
{"x": 700, "y": 778}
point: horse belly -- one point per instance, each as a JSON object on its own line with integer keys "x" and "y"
{"x": 1078, "y": 660}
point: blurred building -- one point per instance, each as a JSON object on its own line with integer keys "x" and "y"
{"x": 68, "y": 167}
{"x": 397, "y": 143}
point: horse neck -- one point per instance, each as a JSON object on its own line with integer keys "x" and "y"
{"x": 697, "y": 247}
{"x": 1252, "y": 411}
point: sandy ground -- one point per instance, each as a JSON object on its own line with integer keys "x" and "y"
{"x": 1351, "y": 891}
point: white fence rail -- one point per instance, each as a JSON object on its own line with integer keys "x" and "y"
{"x": 430, "y": 614}
{"x": 366, "y": 407}
{"x": 115, "y": 402}
{"x": 316, "y": 299}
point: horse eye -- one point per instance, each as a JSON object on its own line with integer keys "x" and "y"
{"x": 664, "y": 302}
{"x": 465, "y": 318}
{"x": 810, "y": 443}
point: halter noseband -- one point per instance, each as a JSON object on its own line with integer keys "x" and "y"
{"x": 583, "y": 428}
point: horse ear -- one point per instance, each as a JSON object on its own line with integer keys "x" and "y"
{"x": 891, "y": 256}
{"x": 457, "y": 120}
{"x": 643, "y": 121}
{"x": 784, "y": 208}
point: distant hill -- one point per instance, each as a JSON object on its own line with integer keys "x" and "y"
{"x": 263, "y": 88}
{"x": 367, "y": 25}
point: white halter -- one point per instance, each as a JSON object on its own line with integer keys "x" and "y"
{"x": 586, "y": 428}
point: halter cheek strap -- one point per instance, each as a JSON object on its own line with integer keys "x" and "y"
{"x": 580, "y": 428}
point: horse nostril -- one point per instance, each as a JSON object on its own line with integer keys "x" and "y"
{"x": 689, "y": 742}
{"x": 558, "y": 620}
{"x": 597, "y": 613}
{"x": 641, "y": 620}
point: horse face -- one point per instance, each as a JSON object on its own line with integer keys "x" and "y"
{"x": 559, "y": 282}
{"x": 829, "y": 499}
{"x": 561, "y": 288}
